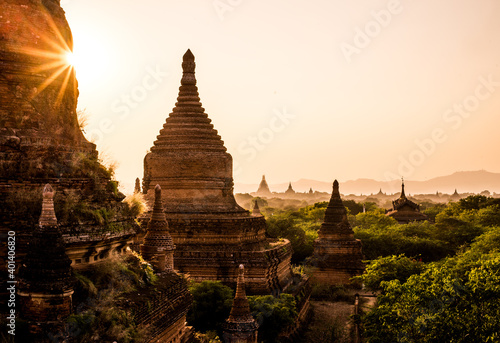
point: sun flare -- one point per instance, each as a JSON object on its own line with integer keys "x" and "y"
{"x": 70, "y": 59}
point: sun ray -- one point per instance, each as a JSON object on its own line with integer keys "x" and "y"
{"x": 60, "y": 95}
{"x": 51, "y": 78}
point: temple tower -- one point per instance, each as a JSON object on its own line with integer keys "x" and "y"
{"x": 212, "y": 233}
{"x": 263, "y": 189}
{"x": 404, "y": 210}
{"x": 240, "y": 327}
{"x": 337, "y": 254}
{"x": 158, "y": 247}
{"x": 46, "y": 288}
{"x": 455, "y": 196}
{"x": 137, "y": 186}
{"x": 290, "y": 190}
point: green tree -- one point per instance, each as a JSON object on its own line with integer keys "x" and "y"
{"x": 450, "y": 301}
{"x": 211, "y": 306}
{"x": 273, "y": 314}
{"x": 389, "y": 268}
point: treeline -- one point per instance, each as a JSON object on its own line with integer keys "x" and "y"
{"x": 437, "y": 281}
{"x": 453, "y": 227}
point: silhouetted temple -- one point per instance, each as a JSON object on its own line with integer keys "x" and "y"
{"x": 337, "y": 255}
{"x": 455, "y": 196}
{"x": 263, "y": 189}
{"x": 404, "y": 210}
{"x": 289, "y": 189}
{"x": 240, "y": 327}
{"x": 212, "y": 233}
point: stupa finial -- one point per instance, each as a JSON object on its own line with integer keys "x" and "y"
{"x": 158, "y": 214}
{"x": 188, "y": 67}
{"x": 403, "y": 195}
{"x": 336, "y": 187}
{"x": 48, "y": 216}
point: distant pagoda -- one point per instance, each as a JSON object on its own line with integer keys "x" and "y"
{"x": 455, "y": 196}
{"x": 289, "y": 189}
{"x": 240, "y": 327}
{"x": 212, "y": 233}
{"x": 337, "y": 255}
{"x": 263, "y": 189}
{"x": 404, "y": 210}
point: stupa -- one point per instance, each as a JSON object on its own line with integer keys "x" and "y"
{"x": 240, "y": 327}
{"x": 455, "y": 196}
{"x": 337, "y": 254}
{"x": 263, "y": 189}
{"x": 212, "y": 233}
{"x": 404, "y": 210}
{"x": 46, "y": 288}
{"x": 158, "y": 247}
{"x": 289, "y": 190}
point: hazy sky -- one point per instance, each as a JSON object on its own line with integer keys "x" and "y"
{"x": 299, "y": 89}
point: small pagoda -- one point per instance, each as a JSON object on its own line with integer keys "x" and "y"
{"x": 290, "y": 190}
{"x": 46, "y": 287}
{"x": 404, "y": 210}
{"x": 263, "y": 189}
{"x": 158, "y": 247}
{"x": 240, "y": 327}
{"x": 337, "y": 255}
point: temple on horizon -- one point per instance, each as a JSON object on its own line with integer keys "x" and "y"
{"x": 404, "y": 210}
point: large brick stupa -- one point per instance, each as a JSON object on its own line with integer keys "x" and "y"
{"x": 212, "y": 233}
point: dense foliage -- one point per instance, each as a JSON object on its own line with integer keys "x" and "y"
{"x": 211, "y": 305}
{"x": 299, "y": 227}
{"x": 97, "y": 316}
{"x": 439, "y": 280}
{"x": 454, "y": 299}
{"x": 273, "y": 314}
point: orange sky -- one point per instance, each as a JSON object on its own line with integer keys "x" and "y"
{"x": 319, "y": 90}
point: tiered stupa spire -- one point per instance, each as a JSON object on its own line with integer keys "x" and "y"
{"x": 339, "y": 256}
{"x": 158, "y": 247}
{"x": 198, "y": 176}
{"x": 240, "y": 327}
